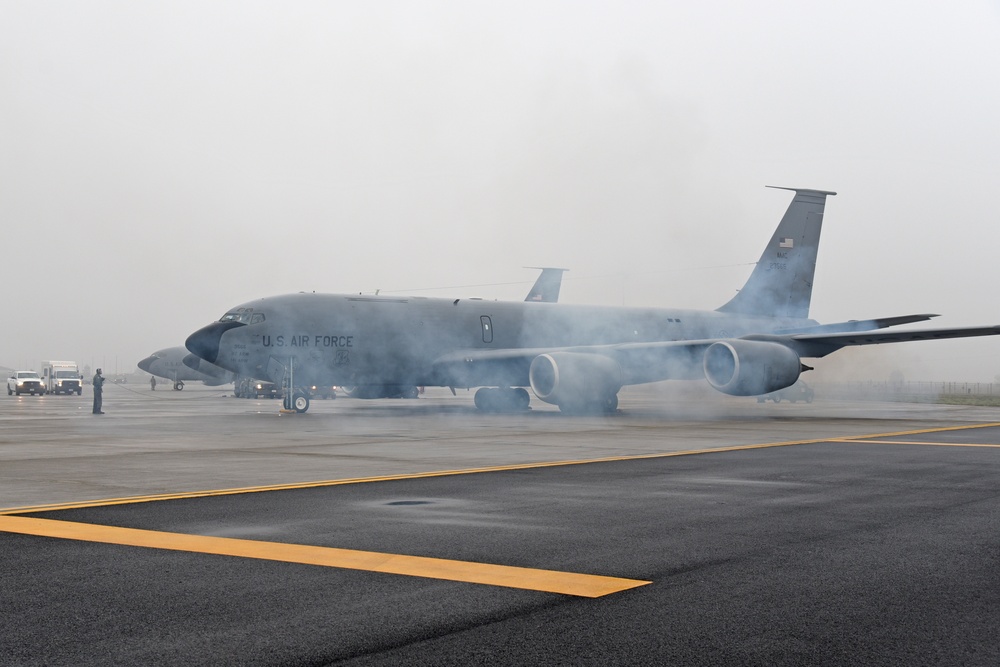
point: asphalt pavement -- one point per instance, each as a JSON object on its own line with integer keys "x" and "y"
{"x": 198, "y": 529}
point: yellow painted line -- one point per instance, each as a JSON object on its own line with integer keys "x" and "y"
{"x": 878, "y": 438}
{"x": 549, "y": 581}
{"x": 128, "y": 500}
{"x": 921, "y": 431}
{"x": 918, "y": 442}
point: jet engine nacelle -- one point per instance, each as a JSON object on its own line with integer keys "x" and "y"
{"x": 750, "y": 367}
{"x": 576, "y": 380}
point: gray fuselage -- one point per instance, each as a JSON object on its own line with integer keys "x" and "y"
{"x": 345, "y": 339}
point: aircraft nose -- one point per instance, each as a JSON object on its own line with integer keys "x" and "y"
{"x": 192, "y": 361}
{"x": 204, "y": 342}
{"x": 146, "y": 363}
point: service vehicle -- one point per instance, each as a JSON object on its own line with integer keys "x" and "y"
{"x": 245, "y": 387}
{"x": 323, "y": 390}
{"x": 62, "y": 377}
{"x": 25, "y": 382}
{"x": 381, "y": 391}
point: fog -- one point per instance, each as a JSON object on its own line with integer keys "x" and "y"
{"x": 161, "y": 163}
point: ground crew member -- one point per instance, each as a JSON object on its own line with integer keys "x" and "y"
{"x": 152, "y": 383}
{"x": 98, "y": 391}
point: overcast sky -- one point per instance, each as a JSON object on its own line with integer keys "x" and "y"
{"x": 163, "y": 162}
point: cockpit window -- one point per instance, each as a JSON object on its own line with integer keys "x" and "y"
{"x": 257, "y": 317}
{"x": 240, "y": 315}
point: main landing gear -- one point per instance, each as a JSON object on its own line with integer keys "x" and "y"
{"x": 503, "y": 399}
{"x": 601, "y": 406}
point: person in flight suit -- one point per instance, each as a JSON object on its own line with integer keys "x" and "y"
{"x": 152, "y": 383}
{"x": 98, "y": 392}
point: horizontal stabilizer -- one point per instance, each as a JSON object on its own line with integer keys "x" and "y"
{"x": 820, "y": 345}
{"x": 806, "y": 191}
{"x": 859, "y": 325}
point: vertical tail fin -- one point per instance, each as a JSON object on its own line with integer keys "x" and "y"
{"x": 781, "y": 283}
{"x": 546, "y": 288}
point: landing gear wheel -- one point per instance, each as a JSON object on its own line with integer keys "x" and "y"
{"x": 493, "y": 399}
{"x": 300, "y": 402}
{"x": 482, "y": 399}
{"x": 178, "y": 385}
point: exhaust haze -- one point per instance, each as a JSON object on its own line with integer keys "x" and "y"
{"x": 160, "y": 164}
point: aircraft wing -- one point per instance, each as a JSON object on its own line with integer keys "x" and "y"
{"x": 805, "y": 345}
{"x": 474, "y": 368}
{"x": 820, "y": 345}
{"x": 641, "y": 362}
{"x": 666, "y": 360}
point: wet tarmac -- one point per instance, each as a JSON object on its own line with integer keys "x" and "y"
{"x": 691, "y": 528}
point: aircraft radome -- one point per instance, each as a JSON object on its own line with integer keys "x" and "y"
{"x": 577, "y": 357}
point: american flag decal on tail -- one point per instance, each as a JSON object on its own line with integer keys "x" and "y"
{"x": 786, "y": 243}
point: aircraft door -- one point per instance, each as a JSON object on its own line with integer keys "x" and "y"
{"x": 487, "y": 328}
{"x": 275, "y": 371}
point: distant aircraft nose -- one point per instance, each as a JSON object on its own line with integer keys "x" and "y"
{"x": 204, "y": 342}
{"x": 146, "y": 363}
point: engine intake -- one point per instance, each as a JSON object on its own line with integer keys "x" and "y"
{"x": 750, "y": 367}
{"x": 576, "y": 381}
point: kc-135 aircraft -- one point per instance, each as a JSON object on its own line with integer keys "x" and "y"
{"x": 179, "y": 366}
{"x": 576, "y": 357}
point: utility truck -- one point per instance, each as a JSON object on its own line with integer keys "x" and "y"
{"x": 61, "y": 377}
